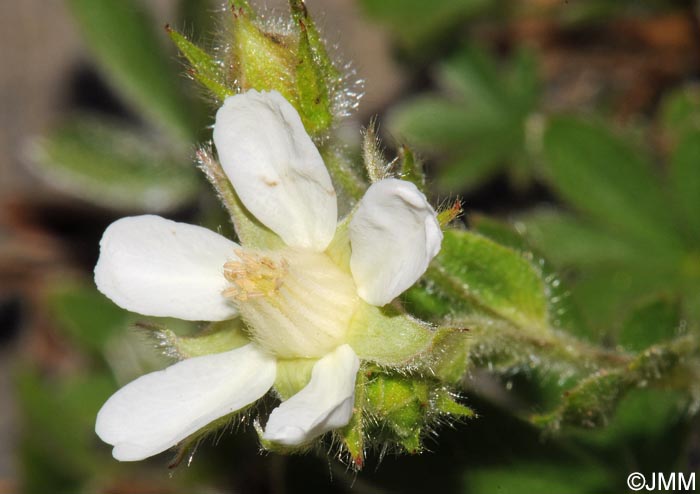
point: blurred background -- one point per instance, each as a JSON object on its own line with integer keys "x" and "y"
{"x": 487, "y": 92}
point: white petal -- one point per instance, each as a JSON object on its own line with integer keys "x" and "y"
{"x": 158, "y": 267}
{"x": 158, "y": 410}
{"x": 326, "y": 403}
{"x": 275, "y": 168}
{"x": 394, "y": 235}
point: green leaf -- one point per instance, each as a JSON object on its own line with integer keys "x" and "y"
{"x": 563, "y": 312}
{"x": 475, "y": 165}
{"x": 605, "y": 295}
{"x": 121, "y": 35}
{"x": 591, "y": 402}
{"x": 685, "y": 183}
{"x": 567, "y": 241}
{"x": 642, "y": 414}
{"x": 477, "y": 124}
{"x": 59, "y": 420}
{"x": 531, "y": 478}
{"x": 433, "y": 123}
{"x": 605, "y": 178}
{"x": 651, "y": 323}
{"x": 88, "y": 317}
{"x": 498, "y": 279}
{"x": 416, "y": 23}
{"x": 680, "y": 110}
{"x": 110, "y": 165}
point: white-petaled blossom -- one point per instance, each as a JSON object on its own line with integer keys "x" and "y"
{"x": 297, "y": 301}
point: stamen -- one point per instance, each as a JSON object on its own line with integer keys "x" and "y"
{"x": 254, "y": 275}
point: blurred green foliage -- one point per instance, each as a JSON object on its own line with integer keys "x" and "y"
{"x": 572, "y": 331}
{"x": 478, "y": 121}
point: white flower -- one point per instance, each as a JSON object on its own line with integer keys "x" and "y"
{"x": 297, "y": 302}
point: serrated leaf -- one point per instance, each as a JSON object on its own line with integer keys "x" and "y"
{"x": 606, "y": 179}
{"x": 110, "y": 165}
{"x": 121, "y": 35}
{"x": 498, "y": 279}
{"x": 563, "y": 312}
{"x": 590, "y": 403}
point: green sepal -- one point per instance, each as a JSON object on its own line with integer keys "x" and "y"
{"x": 388, "y": 337}
{"x": 449, "y": 359}
{"x": 261, "y": 60}
{"x": 349, "y": 183}
{"x": 443, "y": 401}
{"x": 339, "y": 249}
{"x": 188, "y": 446}
{"x": 292, "y": 376}
{"x": 353, "y": 434}
{"x": 242, "y": 6}
{"x": 376, "y": 165}
{"x": 400, "y": 402}
{"x": 204, "y": 68}
{"x": 411, "y": 168}
{"x": 217, "y": 337}
{"x": 316, "y": 44}
{"x": 314, "y": 99}
{"x": 280, "y": 448}
{"x": 249, "y": 230}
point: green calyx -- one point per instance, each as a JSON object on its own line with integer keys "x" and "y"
{"x": 398, "y": 409}
{"x": 259, "y": 55}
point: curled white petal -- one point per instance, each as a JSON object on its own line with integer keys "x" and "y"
{"x": 159, "y": 267}
{"x": 394, "y": 235}
{"x": 326, "y": 403}
{"x": 275, "y": 168}
{"x": 158, "y": 410}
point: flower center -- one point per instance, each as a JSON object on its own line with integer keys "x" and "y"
{"x": 253, "y": 276}
{"x": 296, "y": 303}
